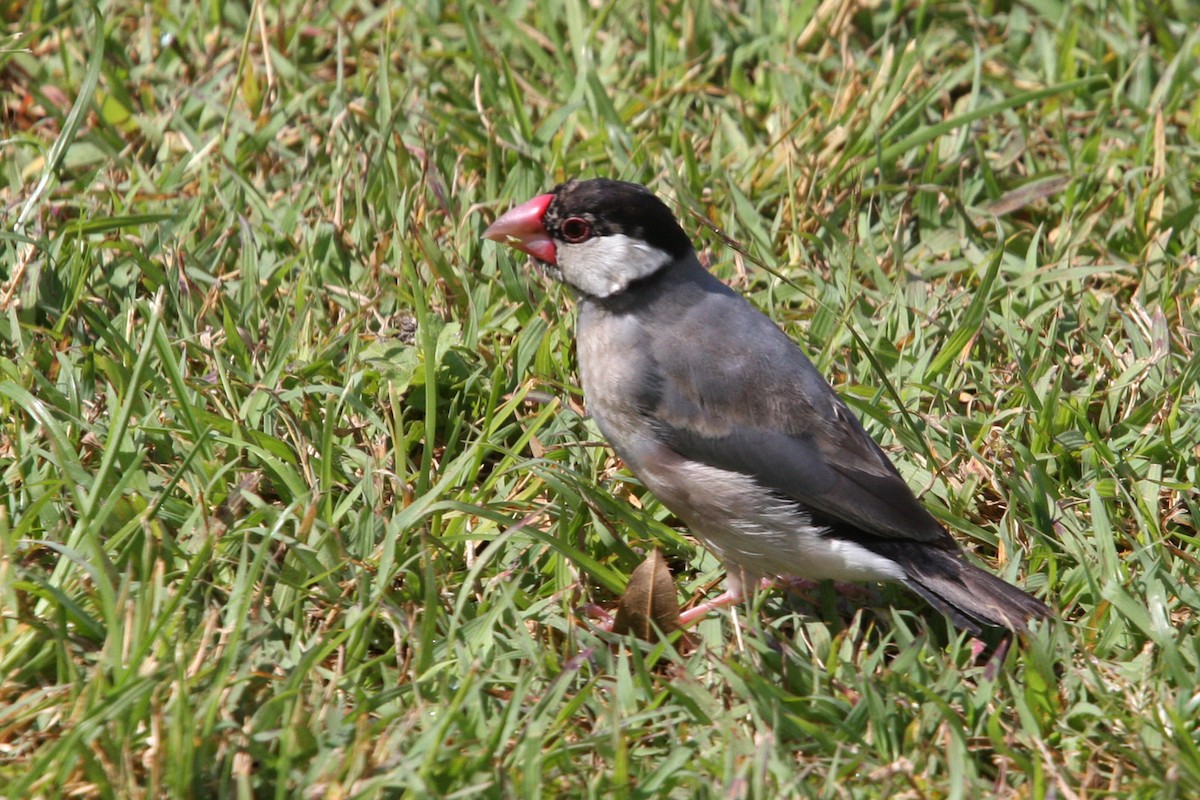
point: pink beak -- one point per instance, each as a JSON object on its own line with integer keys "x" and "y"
{"x": 522, "y": 228}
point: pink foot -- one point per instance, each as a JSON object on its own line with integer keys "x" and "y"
{"x": 697, "y": 613}
{"x": 788, "y": 583}
{"x": 796, "y": 585}
{"x": 602, "y": 619}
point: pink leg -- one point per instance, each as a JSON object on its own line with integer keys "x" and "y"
{"x": 697, "y": 613}
{"x": 604, "y": 620}
{"x": 796, "y": 585}
{"x": 734, "y": 594}
{"x": 735, "y": 580}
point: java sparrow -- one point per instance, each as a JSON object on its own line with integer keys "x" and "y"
{"x": 728, "y": 423}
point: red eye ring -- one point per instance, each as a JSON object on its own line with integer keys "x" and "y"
{"x": 575, "y": 229}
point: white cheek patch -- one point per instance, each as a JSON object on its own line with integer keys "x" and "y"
{"x": 606, "y": 265}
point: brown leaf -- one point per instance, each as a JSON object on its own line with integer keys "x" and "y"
{"x": 650, "y": 599}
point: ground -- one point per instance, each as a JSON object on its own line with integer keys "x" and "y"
{"x": 299, "y": 497}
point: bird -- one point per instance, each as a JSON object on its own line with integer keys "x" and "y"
{"x": 728, "y": 423}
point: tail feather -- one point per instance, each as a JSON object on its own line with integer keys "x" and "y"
{"x": 973, "y": 599}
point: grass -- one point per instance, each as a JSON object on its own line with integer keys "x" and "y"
{"x": 299, "y": 499}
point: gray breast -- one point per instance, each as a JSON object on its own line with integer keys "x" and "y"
{"x": 750, "y": 528}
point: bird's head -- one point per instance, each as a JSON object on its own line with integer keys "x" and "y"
{"x": 598, "y": 236}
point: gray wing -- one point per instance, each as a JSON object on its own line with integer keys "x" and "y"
{"x": 753, "y": 403}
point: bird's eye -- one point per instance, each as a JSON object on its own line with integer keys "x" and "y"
{"x": 576, "y": 229}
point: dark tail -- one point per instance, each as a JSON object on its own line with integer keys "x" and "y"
{"x": 973, "y": 599}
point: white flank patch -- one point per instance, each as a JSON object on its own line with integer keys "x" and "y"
{"x": 751, "y": 528}
{"x": 606, "y": 265}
